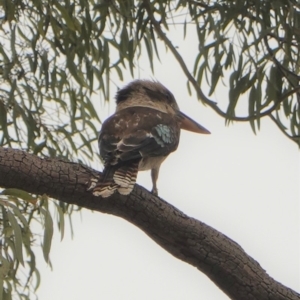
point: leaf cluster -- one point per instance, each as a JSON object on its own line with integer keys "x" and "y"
{"x": 56, "y": 63}
{"x": 251, "y": 48}
{"x": 26, "y": 223}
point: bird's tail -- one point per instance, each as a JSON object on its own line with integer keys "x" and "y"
{"x": 121, "y": 177}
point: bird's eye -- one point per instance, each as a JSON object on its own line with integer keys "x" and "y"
{"x": 169, "y": 96}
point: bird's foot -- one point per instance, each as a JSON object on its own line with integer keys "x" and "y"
{"x": 155, "y": 192}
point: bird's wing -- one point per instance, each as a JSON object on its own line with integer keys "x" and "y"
{"x": 137, "y": 132}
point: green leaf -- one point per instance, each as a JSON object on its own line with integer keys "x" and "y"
{"x": 5, "y": 57}
{"x": 153, "y": 39}
{"x": 251, "y": 106}
{"x": 91, "y": 108}
{"x": 76, "y": 73}
{"x": 258, "y": 104}
{"x": 216, "y": 73}
{"x": 13, "y": 43}
{"x": 17, "y": 236}
{"x": 119, "y": 71}
{"x": 295, "y": 127}
{"x": 66, "y": 16}
{"x": 39, "y": 147}
{"x": 149, "y": 51}
{"x": 38, "y": 279}
{"x": 7, "y": 294}
{"x": 196, "y": 63}
{"x": 19, "y": 194}
{"x": 3, "y": 120}
{"x": 48, "y": 233}
{"x": 16, "y": 212}
{"x": 184, "y": 29}
{"x": 230, "y": 57}
{"x": 189, "y": 88}
{"x": 61, "y": 220}
{"x": 4, "y": 270}
{"x": 274, "y": 85}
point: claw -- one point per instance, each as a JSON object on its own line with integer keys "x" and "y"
{"x": 155, "y": 191}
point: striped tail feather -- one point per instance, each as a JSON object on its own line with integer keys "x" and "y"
{"x": 106, "y": 186}
{"x": 104, "y": 189}
{"x": 121, "y": 178}
{"x": 125, "y": 177}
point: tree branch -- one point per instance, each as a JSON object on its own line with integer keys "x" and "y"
{"x": 190, "y": 240}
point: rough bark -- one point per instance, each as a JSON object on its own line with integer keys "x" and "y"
{"x": 216, "y": 255}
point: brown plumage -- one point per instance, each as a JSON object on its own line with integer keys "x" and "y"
{"x": 144, "y": 130}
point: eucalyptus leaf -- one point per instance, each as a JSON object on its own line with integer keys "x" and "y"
{"x": 17, "y": 236}
{"x": 48, "y": 233}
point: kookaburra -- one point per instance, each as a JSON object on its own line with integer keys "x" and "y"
{"x": 142, "y": 132}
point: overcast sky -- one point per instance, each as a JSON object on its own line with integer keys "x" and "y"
{"x": 244, "y": 185}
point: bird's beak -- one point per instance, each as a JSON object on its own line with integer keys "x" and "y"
{"x": 188, "y": 124}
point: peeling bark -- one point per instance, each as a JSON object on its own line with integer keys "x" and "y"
{"x": 214, "y": 254}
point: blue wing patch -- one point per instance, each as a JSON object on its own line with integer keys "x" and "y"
{"x": 165, "y": 134}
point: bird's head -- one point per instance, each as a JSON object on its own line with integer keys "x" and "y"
{"x": 152, "y": 94}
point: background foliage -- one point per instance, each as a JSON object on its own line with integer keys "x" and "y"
{"x": 57, "y": 61}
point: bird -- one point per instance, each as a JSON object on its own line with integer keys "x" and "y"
{"x": 142, "y": 132}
